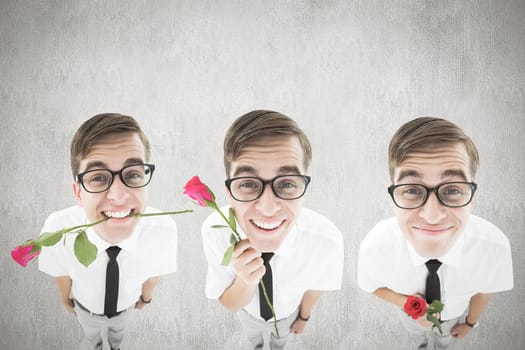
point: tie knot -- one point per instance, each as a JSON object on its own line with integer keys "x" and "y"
{"x": 433, "y": 265}
{"x": 113, "y": 252}
{"x": 267, "y": 257}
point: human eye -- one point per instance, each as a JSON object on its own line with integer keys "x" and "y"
{"x": 134, "y": 175}
{"x": 453, "y": 192}
{"x": 248, "y": 185}
{"x": 411, "y": 191}
{"x": 288, "y": 185}
{"x": 97, "y": 178}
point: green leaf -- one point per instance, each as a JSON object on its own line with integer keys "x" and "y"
{"x": 435, "y": 322}
{"x": 436, "y": 306}
{"x": 228, "y": 255}
{"x": 219, "y": 226}
{"x": 232, "y": 220}
{"x": 48, "y": 239}
{"x": 85, "y": 251}
{"x": 233, "y": 239}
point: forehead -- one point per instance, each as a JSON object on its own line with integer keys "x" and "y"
{"x": 269, "y": 155}
{"x": 115, "y": 151}
{"x": 435, "y": 164}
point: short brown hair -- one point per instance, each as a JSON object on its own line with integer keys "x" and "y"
{"x": 97, "y": 127}
{"x": 257, "y": 124}
{"x": 421, "y": 133}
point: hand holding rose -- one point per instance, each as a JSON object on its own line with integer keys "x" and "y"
{"x": 247, "y": 263}
{"x": 416, "y": 307}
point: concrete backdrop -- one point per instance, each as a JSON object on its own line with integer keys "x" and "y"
{"x": 350, "y": 73}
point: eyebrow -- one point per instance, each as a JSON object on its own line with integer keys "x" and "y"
{"x": 97, "y": 164}
{"x": 447, "y": 173}
{"x": 456, "y": 172}
{"x": 244, "y": 169}
{"x": 407, "y": 173}
{"x": 286, "y": 169}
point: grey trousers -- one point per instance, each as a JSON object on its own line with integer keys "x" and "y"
{"x": 256, "y": 329}
{"x": 94, "y": 325}
{"x": 420, "y": 334}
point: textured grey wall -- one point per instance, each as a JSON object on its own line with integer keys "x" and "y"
{"x": 350, "y": 72}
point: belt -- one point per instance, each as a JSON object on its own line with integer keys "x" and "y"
{"x": 92, "y": 313}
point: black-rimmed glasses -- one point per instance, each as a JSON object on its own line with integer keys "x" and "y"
{"x": 100, "y": 180}
{"x": 249, "y": 188}
{"x": 450, "y": 194}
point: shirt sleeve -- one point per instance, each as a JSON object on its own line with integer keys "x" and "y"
{"x": 498, "y": 271}
{"x": 371, "y": 266}
{"x": 215, "y": 242}
{"x": 330, "y": 261}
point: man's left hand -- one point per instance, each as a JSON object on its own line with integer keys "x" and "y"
{"x": 298, "y": 326}
{"x": 460, "y": 330}
{"x": 140, "y": 304}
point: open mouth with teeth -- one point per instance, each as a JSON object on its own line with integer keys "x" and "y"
{"x": 117, "y": 214}
{"x": 267, "y": 226}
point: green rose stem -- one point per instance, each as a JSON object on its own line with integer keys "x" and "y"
{"x": 235, "y": 237}
{"x": 232, "y": 226}
{"x": 85, "y": 251}
{"x": 271, "y": 307}
{"x": 204, "y": 196}
{"x": 162, "y": 213}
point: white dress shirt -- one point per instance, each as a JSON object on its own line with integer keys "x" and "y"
{"x": 150, "y": 251}
{"x": 480, "y": 261}
{"x": 310, "y": 258}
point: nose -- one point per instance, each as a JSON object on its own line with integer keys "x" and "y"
{"x": 433, "y": 211}
{"x": 117, "y": 191}
{"x": 268, "y": 203}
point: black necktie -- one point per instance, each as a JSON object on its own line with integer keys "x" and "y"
{"x": 266, "y": 312}
{"x": 112, "y": 281}
{"x": 433, "y": 288}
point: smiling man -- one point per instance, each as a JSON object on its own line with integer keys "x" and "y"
{"x": 435, "y": 247}
{"x": 296, "y": 251}
{"x": 109, "y": 160}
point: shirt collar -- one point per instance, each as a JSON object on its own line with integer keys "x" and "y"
{"x": 130, "y": 244}
{"x": 287, "y": 246}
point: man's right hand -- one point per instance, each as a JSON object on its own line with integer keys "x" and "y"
{"x": 423, "y": 322}
{"x": 70, "y": 306}
{"x": 247, "y": 263}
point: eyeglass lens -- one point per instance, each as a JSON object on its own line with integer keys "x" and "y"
{"x": 99, "y": 180}
{"x": 285, "y": 187}
{"x": 454, "y": 194}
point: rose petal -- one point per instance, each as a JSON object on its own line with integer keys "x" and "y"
{"x": 24, "y": 254}
{"x": 198, "y": 191}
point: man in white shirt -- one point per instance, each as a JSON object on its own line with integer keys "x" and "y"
{"x": 266, "y": 157}
{"x": 109, "y": 155}
{"x": 432, "y": 167}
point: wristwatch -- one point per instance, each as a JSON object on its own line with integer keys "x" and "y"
{"x": 471, "y": 325}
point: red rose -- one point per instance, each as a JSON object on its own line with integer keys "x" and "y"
{"x": 24, "y": 254}
{"x": 198, "y": 191}
{"x": 415, "y": 307}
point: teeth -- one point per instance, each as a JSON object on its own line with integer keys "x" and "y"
{"x": 117, "y": 214}
{"x": 267, "y": 225}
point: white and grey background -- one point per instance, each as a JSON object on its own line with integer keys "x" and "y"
{"x": 349, "y": 72}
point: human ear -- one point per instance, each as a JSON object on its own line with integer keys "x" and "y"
{"x": 76, "y": 193}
